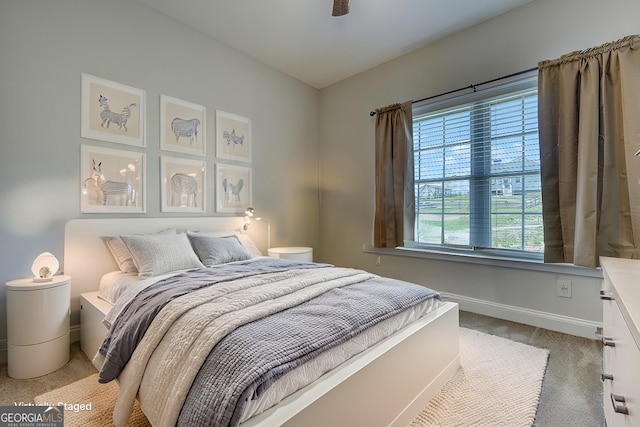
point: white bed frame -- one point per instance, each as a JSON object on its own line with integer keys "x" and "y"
{"x": 386, "y": 385}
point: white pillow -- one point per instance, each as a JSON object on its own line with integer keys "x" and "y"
{"x": 156, "y": 254}
{"x": 249, "y": 245}
{"x": 113, "y": 284}
{"x": 121, "y": 253}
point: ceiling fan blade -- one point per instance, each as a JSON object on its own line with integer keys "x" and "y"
{"x": 340, "y": 7}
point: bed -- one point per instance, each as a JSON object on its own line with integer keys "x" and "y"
{"x": 385, "y": 384}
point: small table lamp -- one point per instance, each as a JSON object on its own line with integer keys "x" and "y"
{"x": 248, "y": 214}
{"x": 44, "y": 267}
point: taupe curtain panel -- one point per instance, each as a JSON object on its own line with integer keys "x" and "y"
{"x": 589, "y": 127}
{"x": 395, "y": 201}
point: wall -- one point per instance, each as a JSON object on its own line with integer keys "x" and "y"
{"x": 45, "y": 46}
{"x": 542, "y": 29}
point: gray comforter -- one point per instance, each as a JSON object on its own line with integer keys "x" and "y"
{"x": 251, "y": 357}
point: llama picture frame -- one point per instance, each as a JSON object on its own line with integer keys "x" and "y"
{"x": 183, "y": 184}
{"x": 112, "y": 181}
{"x": 233, "y": 188}
{"x": 233, "y": 137}
{"x": 182, "y": 126}
{"x": 112, "y": 112}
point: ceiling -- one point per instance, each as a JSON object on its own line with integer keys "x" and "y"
{"x": 302, "y": 39}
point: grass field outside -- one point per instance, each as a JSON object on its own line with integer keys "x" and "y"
{"x": 516, "y": 221}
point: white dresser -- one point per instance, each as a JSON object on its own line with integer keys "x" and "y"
{"x": 621, "y": 341}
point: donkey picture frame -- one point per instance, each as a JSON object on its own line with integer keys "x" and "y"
{"x": 112, "y": 181}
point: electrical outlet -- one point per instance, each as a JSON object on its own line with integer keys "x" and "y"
{"x": 564, "y": 288}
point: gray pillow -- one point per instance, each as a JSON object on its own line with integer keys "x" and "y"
{"x": 156, "y": 254}
{"x": 217, "y": 250}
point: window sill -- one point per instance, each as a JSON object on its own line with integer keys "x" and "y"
{"x": 521, "y": 264}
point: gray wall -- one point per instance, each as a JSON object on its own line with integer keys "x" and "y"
{"x": 543, "y": 29}
{"x": 300, "y": 135}
{"x": 44, "y": 48}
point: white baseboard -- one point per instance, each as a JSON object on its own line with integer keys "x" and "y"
{"x": 541, "y": 319}
{"x": 74, "y": 337}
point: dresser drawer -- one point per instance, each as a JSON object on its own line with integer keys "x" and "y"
{"x": 621, "y": 360}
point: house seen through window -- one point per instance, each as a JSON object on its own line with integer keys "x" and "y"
{"x": 477, "y": 171}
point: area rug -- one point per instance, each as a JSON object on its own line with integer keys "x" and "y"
{"x": 77, "y": 396}
{"x": 498, "y": 384}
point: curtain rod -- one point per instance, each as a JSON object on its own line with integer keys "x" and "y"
{"x": 472, "y": 86}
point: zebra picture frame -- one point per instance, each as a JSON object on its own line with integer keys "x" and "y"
{"x": 233, "y": 137}
{"x": 112, "y": 181}
{"x": 112, "y": 112}
{"x": 182, "y": 126}
{"x": 182, "y": 184}
{"x": 233, "y": 188}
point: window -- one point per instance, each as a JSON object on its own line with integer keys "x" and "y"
{"x": 477, "y": 172}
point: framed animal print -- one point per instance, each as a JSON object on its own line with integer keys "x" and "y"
{"x": 112, "y": 181}
{"x": 182, "y": 184}
{"x": 182, "y": 126}
{"x": 233, "y": 188}
{"x": 233, "y": 137}
{"x": 112, "y": 112}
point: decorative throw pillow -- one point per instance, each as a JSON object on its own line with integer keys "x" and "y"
{"x": 120, "y": 253}
{"x": 156, "y": 254}
{"x": 217, "y": 250}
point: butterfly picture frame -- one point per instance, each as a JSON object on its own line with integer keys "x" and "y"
{"x": 233, "y": 188}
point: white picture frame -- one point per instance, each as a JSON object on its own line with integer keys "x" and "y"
{"x": 182, "y": 184}
{"x": 183, "y": 126}
{"x": 112, "y": 181}
{"x": 233, "y": 137}
{"x": 233, "y": 188}
{"x": 112, "y": 112}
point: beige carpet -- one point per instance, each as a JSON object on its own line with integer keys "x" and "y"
{"x": 499, "y": 384}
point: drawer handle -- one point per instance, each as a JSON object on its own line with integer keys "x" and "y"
{"x": 607, "y": 377}
{"x": 606, "y": 295}
{"x": 622, "y": 408}
{"x": 608, "y": 342}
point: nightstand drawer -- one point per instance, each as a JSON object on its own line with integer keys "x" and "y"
{"x": 37, "y": 316}
{"x": 37, "y": 326}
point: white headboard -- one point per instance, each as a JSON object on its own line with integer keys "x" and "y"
{"x": 87, "y": 258}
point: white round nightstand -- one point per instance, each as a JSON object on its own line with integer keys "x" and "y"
{"x": 37, "y": 326}
{"x": 298, "y": 253}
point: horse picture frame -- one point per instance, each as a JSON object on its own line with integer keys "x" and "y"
{"x": 112, "y": 112}
{"x": 112, "y": 181}
{"x": 182, "y": 184}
